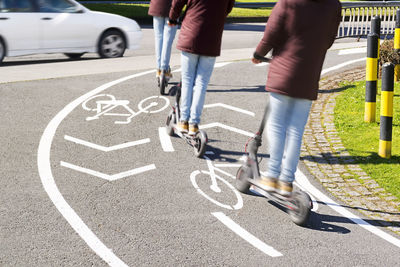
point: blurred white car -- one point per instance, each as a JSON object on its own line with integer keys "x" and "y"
{"x": 63, "y": 26}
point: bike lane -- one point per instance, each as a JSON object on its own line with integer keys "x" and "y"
{"x": 157, "y": 210}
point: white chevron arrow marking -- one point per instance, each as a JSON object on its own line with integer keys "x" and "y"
{"x": 104, "y": 148}
{"x": 231, "y": 108}
{"x": 107, "y": 176}
{"x": 230, "y": 128}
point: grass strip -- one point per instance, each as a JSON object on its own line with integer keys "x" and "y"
{"x": 140, "y": 10}
{"x": 361, "y": 139}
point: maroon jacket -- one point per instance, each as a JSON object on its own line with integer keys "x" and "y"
{"x": 299, "y": 32}
{"x": 201, "y": 30}
{"x": 159, "y": 8}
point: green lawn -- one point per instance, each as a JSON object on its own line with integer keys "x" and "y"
{"x": 140, "y": 10}
{"x": 362, "y": 139}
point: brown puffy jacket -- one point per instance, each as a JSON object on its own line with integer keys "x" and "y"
{"x": 299, "y": 32}
{"x": 201, "y": 30}
{"x": 159, "y": 8}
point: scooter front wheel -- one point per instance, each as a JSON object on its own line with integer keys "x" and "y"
{"x": 241, "y": 184}
{"x": 200, "y": 143}
{"x": 163, "y": 83}
{"x": 171, "y": 120}
{"x": 302, "y": 208}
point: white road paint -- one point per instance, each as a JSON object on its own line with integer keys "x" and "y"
{"x": 239, "y": 203}
{"x": 105, "y": 148}
{"x": 358, "y": 50}
{"x": 46, "y": 176}
{"x": 302, "y": 179}
{"x": 230, "y": 128}
{"x": 262, "y": 64}
{"x": 108, "y": 177}
{"x": 325, "y": 71}
{"x": 231, "y": 108}
{"x": 165, "y": 140}
{"x": 237, "y": 229}
{"x": 221, "y": 64}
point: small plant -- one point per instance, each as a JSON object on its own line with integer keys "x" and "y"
{"x": 388, "y": 54}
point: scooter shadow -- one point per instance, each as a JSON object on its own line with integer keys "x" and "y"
{"x": 316, "y": 221}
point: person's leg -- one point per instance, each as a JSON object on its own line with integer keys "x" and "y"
{"x": 158, "y": 26}
{"x": 189, "y": 64}
{"x": 168, "y": 39}
{"x": 297, "y": 119}
{"x": 205, "y": 68}
{"x": 276, "y": 133}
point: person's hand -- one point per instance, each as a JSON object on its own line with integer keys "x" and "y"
{"x": 172, "y": 23}
{"x": 255, "y": 61}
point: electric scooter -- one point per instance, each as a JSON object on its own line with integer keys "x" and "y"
{"x": 198, "y": 141}
{"x": 298, "y": 205}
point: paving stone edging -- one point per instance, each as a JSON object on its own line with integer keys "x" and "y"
{"x": 328, "y": 160}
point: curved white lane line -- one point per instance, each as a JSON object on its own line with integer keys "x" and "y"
{"x": 46, "y": 176}
{"x": 336, "y": 67}
{"x": 302, "y": 179}
{"x": 237, "y": 229}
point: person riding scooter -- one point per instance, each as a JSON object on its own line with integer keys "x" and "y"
{"x": 299, "y": 33}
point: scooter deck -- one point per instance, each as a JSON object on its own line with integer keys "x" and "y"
{"x": 282, "y": 200}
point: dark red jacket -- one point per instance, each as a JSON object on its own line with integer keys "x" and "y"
{"x": 299, "y": 32}
{"x": 201, "y": 30}
{"x": 159, "y": 8}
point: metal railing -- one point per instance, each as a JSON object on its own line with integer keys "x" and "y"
{"x": 357, "y": 16}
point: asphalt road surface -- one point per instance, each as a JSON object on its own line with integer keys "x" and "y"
{"x": 89, "y": 183}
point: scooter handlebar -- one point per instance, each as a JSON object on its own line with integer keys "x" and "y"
{"x": 261, "y": 58}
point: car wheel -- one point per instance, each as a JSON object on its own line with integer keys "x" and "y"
{"x": 74, "y": 55}
{"x": 2, "y": 50}
{"x": 112, "y": 44}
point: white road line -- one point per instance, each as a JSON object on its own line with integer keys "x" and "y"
{"x": 342, "y": 65}
{"x": 237, "y": 229}
{"x": 107, "y": 176}
{"x": 49, "y": 185}
{"x": 262, "y": 64}
{"x": 231, "y": 108}
{"x": 302, "y": 179}
{"x": 104, "y": 148}
{"x": 359, "y": 50}
{"x": 165, "y": 140}
{"x": 230, "y": 128}
{"x": 221, "y": 64}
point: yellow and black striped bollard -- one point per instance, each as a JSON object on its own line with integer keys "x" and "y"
{"x": 376, "y": 29}
{"x": 371, "y": 78}
{"x": 385, "y": 138}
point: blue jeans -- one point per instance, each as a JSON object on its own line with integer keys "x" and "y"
{"x": 196, "y": 73}
{"x": 285, "y": 127}
{"x": 164, "y": 37}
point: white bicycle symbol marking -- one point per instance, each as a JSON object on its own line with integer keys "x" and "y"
{"x": 214, "y": 184}
{"x": 105, "y": 103}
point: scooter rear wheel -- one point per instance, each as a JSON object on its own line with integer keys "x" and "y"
{"x": 241, "y": 184}
{"x": 201, "y": 143}
{"x": 302, "y": 203}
